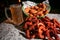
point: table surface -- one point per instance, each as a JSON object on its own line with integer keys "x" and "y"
{"x": 56, "y": 16}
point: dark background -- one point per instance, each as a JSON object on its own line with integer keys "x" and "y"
{"x": 55, "y": 6}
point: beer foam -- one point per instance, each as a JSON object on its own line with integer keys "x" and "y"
{"x": 15, "y": 5}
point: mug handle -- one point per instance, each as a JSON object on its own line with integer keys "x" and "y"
{"x": 9, "y": 19}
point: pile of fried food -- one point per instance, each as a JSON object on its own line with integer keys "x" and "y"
{"x": 44, "y": 28}
{"x": 38, "y": 10}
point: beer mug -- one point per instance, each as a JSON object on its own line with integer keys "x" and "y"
{"x": 16, "y": 14}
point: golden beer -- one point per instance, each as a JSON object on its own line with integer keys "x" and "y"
{"x": 16, "y": 12}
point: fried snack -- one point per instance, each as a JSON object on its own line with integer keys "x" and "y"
{"x": 38, "y": 10}
{"x": 27, "y": 34}
{"x": 36, "y": 7}
{"x": 27, "y": 10}
{"x": 33, "y": 11}
{"x": 40, "y": 5}
{"x": 42, "y": 28}
{"x": 32, "y": 7}
{"x": 31, "y": 15}
{"x": 48, "y": 35}
{"x": 51, "y": 25}
{"x": 27, "y": 23}
{"x": 45, "y": 12}
{"x": 57, "y": 23}
{"x": 40, "y": 13}
{"x": 33, "y": 36}
{"x": 35, "y": 27}
{"x": 40, "y": 31}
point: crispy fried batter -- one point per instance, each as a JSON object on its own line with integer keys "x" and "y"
{"x": 42, "y": 28}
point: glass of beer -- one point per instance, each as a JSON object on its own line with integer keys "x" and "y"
{"x": 16, "y": 14}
